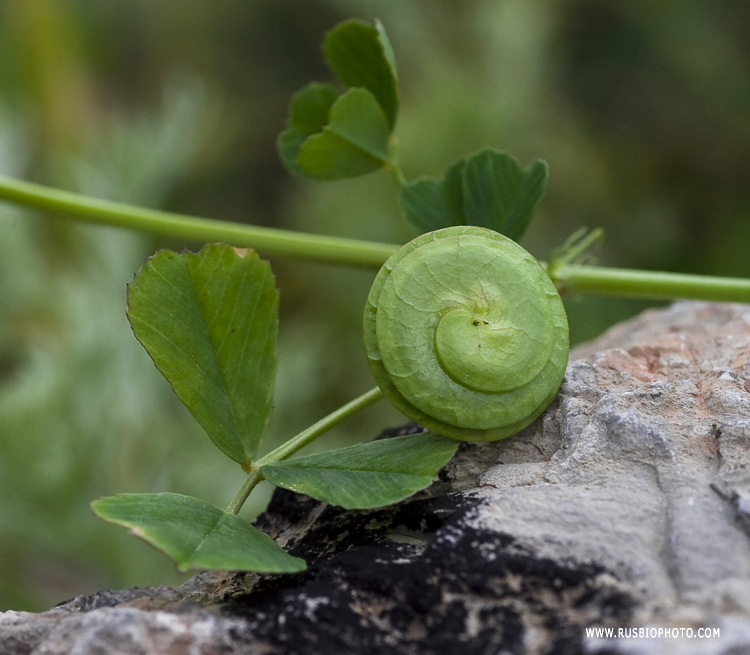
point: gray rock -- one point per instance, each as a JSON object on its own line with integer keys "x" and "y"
{"x": 626, "y": 506}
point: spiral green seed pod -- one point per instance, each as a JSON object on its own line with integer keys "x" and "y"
{"x": 466, "y": 334}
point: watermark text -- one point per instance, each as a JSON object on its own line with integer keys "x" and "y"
{"x": 653, "y": 633}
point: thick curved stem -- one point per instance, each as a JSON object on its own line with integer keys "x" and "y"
{"x": 268, "y": 241}
{"x": 570, "y": 279}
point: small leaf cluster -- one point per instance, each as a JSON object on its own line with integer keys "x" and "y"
{"x": 209, "y": 322}
{"x": 335, "y": 134}
{"x": 488, "y": 189}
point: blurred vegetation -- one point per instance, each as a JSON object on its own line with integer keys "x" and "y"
{"x": 642, "y": 110}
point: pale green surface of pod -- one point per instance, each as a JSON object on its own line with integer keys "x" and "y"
{"x": 466, "y": 334}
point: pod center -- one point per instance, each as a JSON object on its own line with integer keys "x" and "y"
{"x": 485, "y": 352}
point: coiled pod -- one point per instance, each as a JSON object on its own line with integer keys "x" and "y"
{"x": 466, "y": 334}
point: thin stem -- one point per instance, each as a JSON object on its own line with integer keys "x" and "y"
{"x": 252, "y": 480}
{"x": 649, "y": 284}
{"x": 398, "y": 174}
{"x": 300, "y": 441}
{"x": 322, "y": 426}
{"x": 270, "y": 241}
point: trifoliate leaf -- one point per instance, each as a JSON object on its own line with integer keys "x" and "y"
{"x": 354, "y": 142}
{"x": 209, "y": 322}
{"x": 366, "y": 475}
{"x": 487, "y": 189}
{"x": 196, "y": 534}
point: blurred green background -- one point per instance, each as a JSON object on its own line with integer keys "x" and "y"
{"x": 642, "y": 110}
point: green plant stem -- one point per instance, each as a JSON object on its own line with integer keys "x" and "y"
{"x": 268, "y": 241}
{"x": 251, "y": 481}
{"x": 301, "y": 440}
{"x": 569, "y": 278}
{"x": 398, "y": 174}
{"x": 649, "y": 284}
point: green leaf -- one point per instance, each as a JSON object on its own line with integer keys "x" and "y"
{"x": 366, "y": 475}
{"x": 425, "y": 205}
{"x": 310, "y": 107}
{"x": 196, "y": 534}
{"x": 430, "y": 204}
{"x": 209, "y": 322}
{"x": 487, "y": 189}
{"x": 499, "y": 194}
{"x": 354, "y": 142}
{"x": 331, "y": 137}
{"x": 308, "y": 114}
{"x": 360, "y": 55}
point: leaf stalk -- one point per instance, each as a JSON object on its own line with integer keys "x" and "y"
{"x": 301, "y": 440}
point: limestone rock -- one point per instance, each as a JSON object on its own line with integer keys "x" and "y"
{"x": 625, "y": 506}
